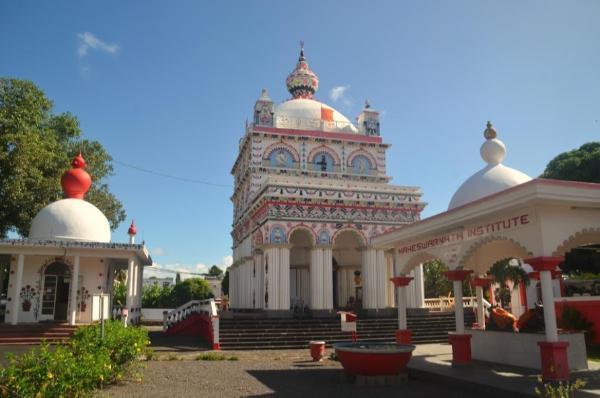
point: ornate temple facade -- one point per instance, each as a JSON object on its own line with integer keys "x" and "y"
{"x": 311, "y": 191}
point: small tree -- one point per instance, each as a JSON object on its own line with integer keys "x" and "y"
{"x": 225, "y": 283}
{"x": 582, "y": 164}
{"x": 178, "y": 278}
{"x": 191, "y": 289}
{"x": 502, "y": 271}
{"x": 215, "y": 271}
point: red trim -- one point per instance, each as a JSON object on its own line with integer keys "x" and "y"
{"x": 461, "y": 348}
{"x": 401, "y": 280}
{"x": 216, "y": 346}
{"x": 544, "y": 263}
{"x": 540, "y": 181}
{"x": 320, "y": 134}
{"x": 458, "y": 274}
{"x": 403, "y": 336}
{"x": 555, "y": 274}
{"x": 523, "y": 294}
{"x": 555, "y": 364}
{"x": 482, "y": 281}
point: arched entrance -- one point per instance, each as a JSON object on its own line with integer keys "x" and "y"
{"x": 347, "y": 262}
{"x": 55, "y": 292}
{"x": 301, "y": 241}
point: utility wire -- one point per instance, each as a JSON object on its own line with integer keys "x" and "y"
{"x": 160, "y": 269}
{"x": 173, "y": 177}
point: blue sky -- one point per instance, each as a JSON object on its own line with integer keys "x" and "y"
{"x": 167, "y": 86}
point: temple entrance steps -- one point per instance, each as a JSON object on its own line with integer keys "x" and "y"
{"x": 250, "y": 334}
{"x": 32, "y": 334}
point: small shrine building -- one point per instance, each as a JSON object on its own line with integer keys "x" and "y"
{"x": 64, "y": 270}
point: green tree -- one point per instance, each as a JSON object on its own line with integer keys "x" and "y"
{"x": 177, "y": 278}
{"x": 581, "y": 164}
{"x": 502, "y": 271}
{"x": 435, "y": 282}
{"x": 191, "y": 289}
{"x": 215, "y": 271}
{"x": 225, "y": 283}
{"x": 36, "y": 148}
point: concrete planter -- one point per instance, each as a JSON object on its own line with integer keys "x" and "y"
{"x": 521, "y": 349}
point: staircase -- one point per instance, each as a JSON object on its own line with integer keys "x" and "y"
{"x": 35, "y": 333}
{"x": 250, "y": 334}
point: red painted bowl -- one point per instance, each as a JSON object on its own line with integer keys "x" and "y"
{"x": 373, "y": 358}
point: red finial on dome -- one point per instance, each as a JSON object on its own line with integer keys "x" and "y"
{"x": 76, "y": 181}
{"x": 132, "y": 231}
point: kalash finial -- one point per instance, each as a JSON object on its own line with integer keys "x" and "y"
{"x": 302, "y": 82}
{"x": 490, "y": 132}
{"x": 76, "y": 181}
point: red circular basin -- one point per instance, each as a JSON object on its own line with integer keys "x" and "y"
{"x": 373, "y": 359}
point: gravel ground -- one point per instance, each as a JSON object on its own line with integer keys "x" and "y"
{"x": 287, "y": 373}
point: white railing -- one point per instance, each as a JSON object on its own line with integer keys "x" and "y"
{"x": 313, "y": 124}
{"x": 444, "y": 304}
{"x": 206, "y": 307}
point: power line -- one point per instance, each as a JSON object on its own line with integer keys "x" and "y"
{"x": 173, "y": 177}
{"x": 160, "y": 269}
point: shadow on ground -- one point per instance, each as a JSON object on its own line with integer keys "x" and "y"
{"x": 323, "y": 382}
{"x": 161, "y": 342}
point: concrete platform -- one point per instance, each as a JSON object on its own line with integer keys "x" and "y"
{"x": 434, "y": 362}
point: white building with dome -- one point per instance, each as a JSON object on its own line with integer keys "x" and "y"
{"x": 60, "y": 272}
{"x": 311, "y": 191}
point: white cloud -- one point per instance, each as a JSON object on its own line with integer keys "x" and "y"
{"x": 157, "y": 251}
{"x": 339, "y": 94}
{"x": 225, "y": 262}
{"x": 88, "y": 41}
{"x": 186, "y": 271}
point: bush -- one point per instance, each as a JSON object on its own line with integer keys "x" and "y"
{"x": 158, "y": 297}
{"x": 191, "y": 289}
{"x": 572, "y": 319}
{"x": 75, "y": 369}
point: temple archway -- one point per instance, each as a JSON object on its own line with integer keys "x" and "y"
{"x": 302, "y": 242}
{"x": 347, "y": 260}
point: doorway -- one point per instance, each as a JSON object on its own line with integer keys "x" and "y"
{"x": 55, "y": 298}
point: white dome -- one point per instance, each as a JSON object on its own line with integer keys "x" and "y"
{"x": 495, "y": 177}
{"x": 70, "y": 219}
{"x": 305, "y": 114}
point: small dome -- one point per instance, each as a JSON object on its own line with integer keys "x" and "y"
{"x": 70, "y": 219}
{"x": 495, "y": 177}
{"x": 310, "y": 114}
{"x": 302, "y": 82}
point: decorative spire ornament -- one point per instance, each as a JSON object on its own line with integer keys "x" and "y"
{"x": 132, "y": 231}
{"x": 76, "y": 181}
{"x": 490, "y": 132}
{"x": 302, "y": 82}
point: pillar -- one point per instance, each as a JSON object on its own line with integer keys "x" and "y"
{"x": 555, "y": 365}
{"x": 461, "y": 342}
{"x": 321, "y": 279}
{"x": 277, "y": 271}
{"x": 374, "y": 278}
{"x": 130, "y": 288}
{"x": 403, "y": 334}
{"x": 14, "y": 310}
{"x": 73, "y": 292}
{"x": 480, "y": 283}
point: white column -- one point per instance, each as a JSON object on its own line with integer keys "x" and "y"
{"x": 14, "y": 311}
{"x": 480, "y": 307}
{"x": 284, "y": 278}
{"x": 130, "y": 286}
{"x": 369, "y": 281}
{"x": 458, "y": 307}
{"x": 401, "y": 303}
{"x": 316, "y": 279}
{"x": 419, "y": 286}
{"x": 382, "y": 281}
{"x": 549, "y": 311}
{"x": 73, "y": 293}
{"x": 327, "y": 278}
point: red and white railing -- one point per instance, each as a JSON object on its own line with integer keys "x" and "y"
{"x": 204, "y": 310}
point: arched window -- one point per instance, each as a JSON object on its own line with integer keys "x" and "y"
{"x": 281, "y": 158}
{"x": 323, "y": 161}
{"x": 361, "y": 165}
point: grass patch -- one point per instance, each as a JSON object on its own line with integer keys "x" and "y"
{"x": 211, "y": 356}
{"x": 172, "y": 357}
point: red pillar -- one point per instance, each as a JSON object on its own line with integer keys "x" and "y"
{"x": 461, "y": 342}
{"x": 555, "y": 364}
{"x": 403, "y": 334}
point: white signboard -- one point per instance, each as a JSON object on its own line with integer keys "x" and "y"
{"x": 97, "y": 301}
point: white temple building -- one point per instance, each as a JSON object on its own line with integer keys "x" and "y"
{"x": 64, "y": 270}
{"x": 311, "y": 191}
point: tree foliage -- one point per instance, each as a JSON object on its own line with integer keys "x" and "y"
{"x": 581, "y": 164}
{"x": 36, "y": 148}
{"x": 502, "y": 271}
{"x": 436, "y": 284}
{"x": 191, "y": 289}
{"x": 225, "y": 283}
{"x": 215, "y": 271}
